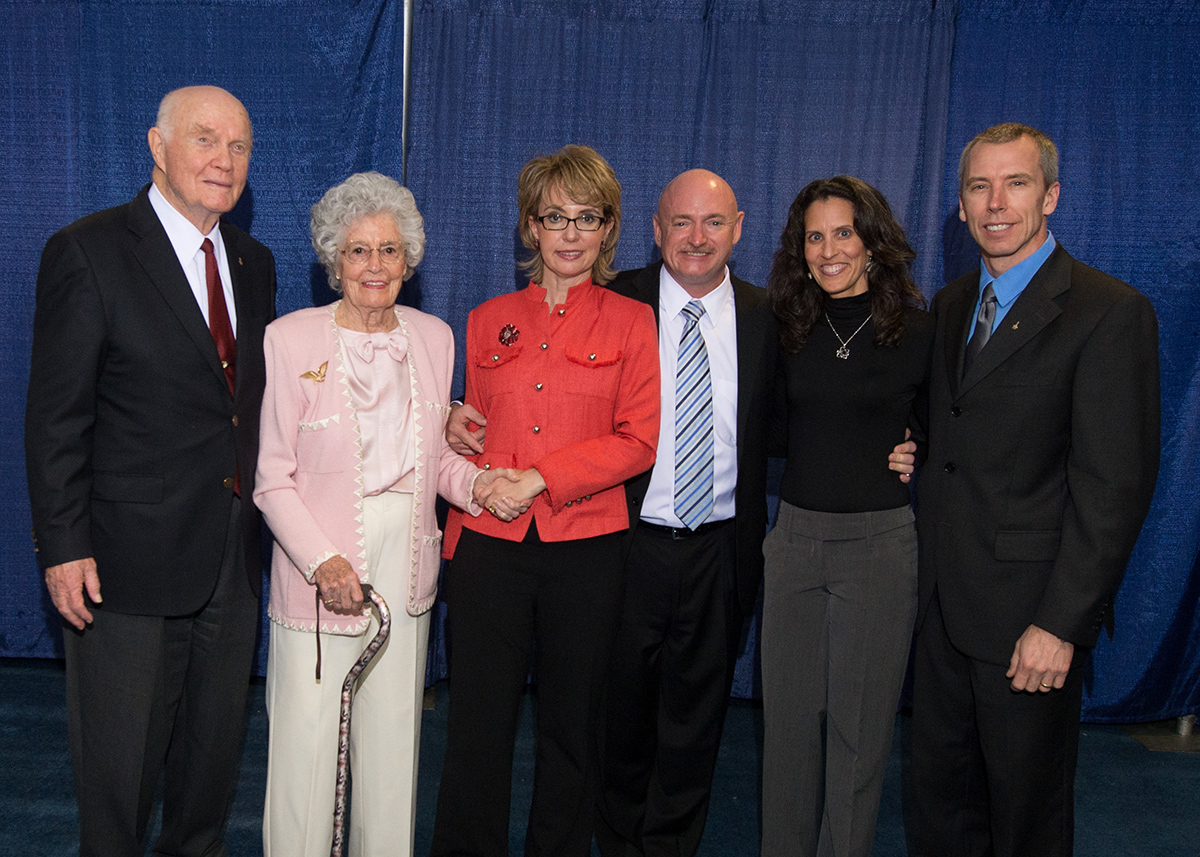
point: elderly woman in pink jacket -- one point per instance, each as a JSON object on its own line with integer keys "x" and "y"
{"x": 352, "y": 454}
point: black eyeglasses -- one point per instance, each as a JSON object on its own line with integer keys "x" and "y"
{"x": 556, "y": 222}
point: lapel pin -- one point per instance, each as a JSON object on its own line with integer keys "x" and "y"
{"x": 1016, "y": 325}
{"x": 239, "y": 260}
{"x": 316, "y": 376}
{"x": 509, "y": 334}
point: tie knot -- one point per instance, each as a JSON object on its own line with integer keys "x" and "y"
{"x": 207, "y": 246}
{"x": 693, "y": 310}
{"x": 989, "y": 294}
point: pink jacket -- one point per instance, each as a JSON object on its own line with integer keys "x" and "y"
{"x": 309, "y": 483}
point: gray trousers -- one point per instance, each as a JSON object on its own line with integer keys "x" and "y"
{"x": 151, "y": 695}
{"x": 840, "y": 599}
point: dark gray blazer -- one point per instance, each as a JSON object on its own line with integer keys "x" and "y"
{"x": 1042, "y": 460}
{"x": 132, "y": 438}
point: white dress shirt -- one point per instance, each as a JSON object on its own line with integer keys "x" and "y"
{"x": 718, "y": 326}
{"x": 186, "y": 240}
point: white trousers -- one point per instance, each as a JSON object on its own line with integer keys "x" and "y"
{"x": 385, "y": 735}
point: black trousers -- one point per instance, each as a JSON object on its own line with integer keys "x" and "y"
{"x": 668, "y": 690}
{"x": 151, "y": 695}
{"x": 502, "y": 597}
{"x": 993, "y": 770}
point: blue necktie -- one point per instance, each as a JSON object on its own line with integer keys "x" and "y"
{"x": 693, "y": 423}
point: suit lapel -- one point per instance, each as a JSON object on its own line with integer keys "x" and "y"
{"x": 645, "y": 287}
{"x": 1033, "y": 309}
{"x": 750, "y": 346}
{"x": 237, "y": 271}
{"x": 957, "y": 312}
{"x": 241, "y": 297}
{"x": 157, "y": 257}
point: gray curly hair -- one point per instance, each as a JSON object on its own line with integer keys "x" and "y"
{"x": 365, "y": 195}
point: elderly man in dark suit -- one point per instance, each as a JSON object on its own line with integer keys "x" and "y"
{"x": 1043, "y": 453}
{"x": 141, "y": 437}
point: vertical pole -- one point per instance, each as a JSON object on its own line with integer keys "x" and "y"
{"x": 408, "y": 24}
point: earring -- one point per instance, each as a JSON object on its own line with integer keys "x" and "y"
{"x": 870, "y": 263}
{"x": 603, "y": 246}
{"x": 537, "y": 245}
{"x": 809, "y": 275}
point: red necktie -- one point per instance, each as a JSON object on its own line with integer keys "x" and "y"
{"x": 218, "y": 314}
{"x": 219, "y": 326}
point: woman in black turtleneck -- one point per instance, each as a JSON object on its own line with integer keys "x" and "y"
{"x": 840, "y": 592}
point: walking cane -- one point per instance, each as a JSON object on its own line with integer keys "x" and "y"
{"x": 343, "y": 757}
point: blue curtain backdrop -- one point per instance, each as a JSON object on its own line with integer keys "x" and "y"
{"x": 769, "y": 94}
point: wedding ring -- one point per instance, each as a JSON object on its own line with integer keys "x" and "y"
{"x": 1047, "y": 686}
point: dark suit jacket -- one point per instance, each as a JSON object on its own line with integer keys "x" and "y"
{"x": 1042, "y": 460}
{"x": 132, "y": 438}
{"x": 758, "y": 351}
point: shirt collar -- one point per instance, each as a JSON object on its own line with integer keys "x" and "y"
{"x": 1012, "y": 282}
{"x": 672, "y": 297}
{"x": 575, "y": 293}
{"x": 184, "y": 236}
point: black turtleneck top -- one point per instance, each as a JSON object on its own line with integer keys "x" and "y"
{"x": 844, "y": 417}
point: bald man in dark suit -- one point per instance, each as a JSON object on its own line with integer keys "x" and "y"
{"x": 141, "y": 438}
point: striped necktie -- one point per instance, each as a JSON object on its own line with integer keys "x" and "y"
{"x": 693, "y": 423}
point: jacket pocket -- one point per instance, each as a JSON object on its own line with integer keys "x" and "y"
{"x": 1027, "y": 545}
{"x": 595, "y": 373}
{"x": 126, "y": 487}
{"x": 321, "y": 446}
{"x": 495, "y": 358}
{"x": 498, "y": 370}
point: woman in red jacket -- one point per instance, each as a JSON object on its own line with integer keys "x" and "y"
{"x": 566, "y": 374}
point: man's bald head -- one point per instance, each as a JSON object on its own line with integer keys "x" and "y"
{"x": 201, "y": 149}
{"x": 186, "y": 99}
{"x": 696, "y": 226}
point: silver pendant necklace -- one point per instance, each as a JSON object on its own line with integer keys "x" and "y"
{"x": 843, "y": 353}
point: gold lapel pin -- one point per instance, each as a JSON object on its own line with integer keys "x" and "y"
{"x": 319, "y": 375}
{"x": 1016, "y": 325}
{"x": 239, "y": 260}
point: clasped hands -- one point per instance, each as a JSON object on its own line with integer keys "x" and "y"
{"x": 507, "y": 492}
{"x": 504, "y": 491}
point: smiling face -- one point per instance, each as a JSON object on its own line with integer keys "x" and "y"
{"x": 696, "y": 226}
{"x": 567, "y": 254}
{"x": 836, "y": 255}
{"x": 371, "y": 264}
{"x": 1004, "y": 201}
{"x": 202, "y": 153}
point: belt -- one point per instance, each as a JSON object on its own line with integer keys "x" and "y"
{"x": 683, "y": 532}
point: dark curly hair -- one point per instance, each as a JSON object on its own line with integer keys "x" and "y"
{"x": 796, "y": 299}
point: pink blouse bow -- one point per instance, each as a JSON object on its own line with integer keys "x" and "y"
{"x": 393, "y": 342}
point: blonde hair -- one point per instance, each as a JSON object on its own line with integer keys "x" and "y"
{"x": 584, "y": 177}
